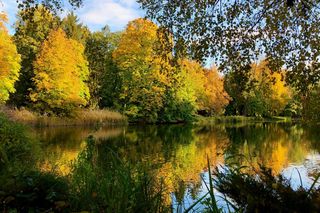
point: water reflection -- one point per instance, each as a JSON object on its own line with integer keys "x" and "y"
{"x": 179, "y": 152}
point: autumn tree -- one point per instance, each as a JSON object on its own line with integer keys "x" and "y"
{"x": 259, "y": 92}
{"x": 272, "y": 86}
{"x": 61, "y": 73}
{"x": 191, "y": 84}
{"x": 143, "y": 72}
{"x": 104, "y": 80}
{"x": 9, "y": 62}
{"x": 30, "y": 32}
{"x": 216, "y": 96}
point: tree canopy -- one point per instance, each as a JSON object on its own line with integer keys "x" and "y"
{"x": 237, "y": 33}
{"x": 53, "y": 5}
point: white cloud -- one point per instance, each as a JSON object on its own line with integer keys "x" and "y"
{"x": 94, "y": 13}
{"x": 115, "y": 13}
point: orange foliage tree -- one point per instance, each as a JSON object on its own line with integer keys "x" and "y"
{"x": 203, "y": 88}
{"x": 217, "y": 97}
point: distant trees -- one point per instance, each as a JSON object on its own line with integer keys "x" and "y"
{"x": 311, "y": 102}
{"x": 9, "y": 62}
{"x": 260, "y": 92}
{"x": 60, "y": 75}
{"x": 216, "y": 96}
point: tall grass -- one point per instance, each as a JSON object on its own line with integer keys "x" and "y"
{"x": 79, "y": 117}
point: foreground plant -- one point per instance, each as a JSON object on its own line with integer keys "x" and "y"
{"x": 254, "y": 192}
{"x": 104, "y": 182}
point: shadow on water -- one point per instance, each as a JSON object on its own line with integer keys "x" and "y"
{"x": 179, "y": 152}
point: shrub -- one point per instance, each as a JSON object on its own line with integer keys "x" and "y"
{"x": 16, "y": 146}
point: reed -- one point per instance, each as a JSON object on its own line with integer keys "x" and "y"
{"x": 83, "y": 117}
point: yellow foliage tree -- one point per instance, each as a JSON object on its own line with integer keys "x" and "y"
{"x": 272, "y": 84}
{"x": 191, "y": 83}
{"x": 202, "y": 88}
{"x": 60, "y": 74}
{"x": 143, "y": 72}
{"x": 9, "y": 62}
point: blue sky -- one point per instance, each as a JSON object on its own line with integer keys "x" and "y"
{"x": 94, "y": 13}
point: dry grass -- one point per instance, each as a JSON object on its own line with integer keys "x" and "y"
{"x": 83, "y": 117}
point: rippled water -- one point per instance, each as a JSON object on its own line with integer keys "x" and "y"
{"x": 180, "y": 151}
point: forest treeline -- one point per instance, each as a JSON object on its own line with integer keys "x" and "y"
{"x": 55, "y": 65}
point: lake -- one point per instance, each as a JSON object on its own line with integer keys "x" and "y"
{"x": 179, "y": 152}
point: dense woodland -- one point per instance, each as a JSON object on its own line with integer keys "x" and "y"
{"x": 54, "y": 65}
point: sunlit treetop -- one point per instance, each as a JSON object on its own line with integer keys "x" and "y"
{"x": 3, "y": 20}
{"x": 238, "y": 32}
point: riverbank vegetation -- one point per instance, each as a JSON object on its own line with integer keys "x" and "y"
{"x": 79, "y": 117}
{"x": 63, "y": 68}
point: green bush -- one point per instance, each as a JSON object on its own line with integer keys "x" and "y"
{"x": 32, "y": 190}
{"x": 17, "y": 148}
{"x": 22, "y": 186}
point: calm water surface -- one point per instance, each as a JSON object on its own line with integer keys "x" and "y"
{"x": 180, "y": 151}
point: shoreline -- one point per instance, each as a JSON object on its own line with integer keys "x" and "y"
{"x": 82, "y": 117}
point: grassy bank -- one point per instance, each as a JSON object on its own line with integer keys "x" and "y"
{"x": 238, "y": 120}
{"x": 84, "y": 117}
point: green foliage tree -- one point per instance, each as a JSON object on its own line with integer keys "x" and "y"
{"x": 236, "y": 84}
{"x": 60, "y": 78}
{"x": 192, "y": 83}
{"x": 311, "y": 103}
{"x": 30, "y": 32}
{"x": 9, "y": 62}
{"x": 104, "y": 81}
{"x": 75, "y": 30}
